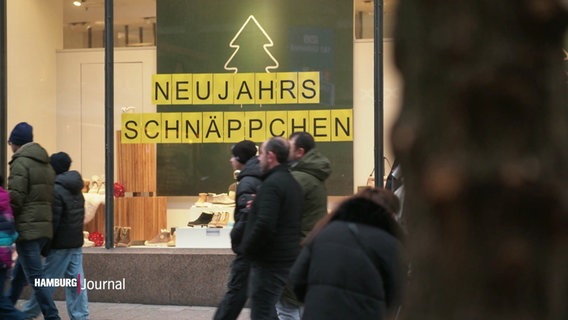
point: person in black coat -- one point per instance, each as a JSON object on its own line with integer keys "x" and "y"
{"x": 351, "y": 265}
{"x": 272, "y": 235}
{"x": 64, "y": 257}
{"x": 248, "y": 182}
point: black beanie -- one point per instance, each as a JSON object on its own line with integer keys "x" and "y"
{"x": 60, "y": 162}
{"x": 21, "y": 134}
{"x": 244, "y": 150}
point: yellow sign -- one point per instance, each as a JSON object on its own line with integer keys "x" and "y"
{"x": 236, "y": 88}
{"x": 331, "y": 125}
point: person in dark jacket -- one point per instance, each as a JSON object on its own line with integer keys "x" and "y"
{"x": 272, "y": 234}
{"x": 8, "y": 235}
{"x": 310, "y": 168}
{"x": 351, "y": 265}
{"x": 248, "y": 182}
{"x": 64, "y": 258}
{"x": 30, "y": 185}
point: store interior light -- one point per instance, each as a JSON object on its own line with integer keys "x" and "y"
{"x": 77, "y": 3}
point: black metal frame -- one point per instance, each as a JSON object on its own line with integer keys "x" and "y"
{"x": 3, "y": 92}
{"x": 109, "y": 123}
{"x": 379, "y": 102}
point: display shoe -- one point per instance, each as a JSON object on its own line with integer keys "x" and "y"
{"x": 224, "y": 220}
{"x": 85, "y": 186}
{"x": 160, "y": 240}
{"x": 86, "y": 242}
{"x": 172, "y": 242}
{"x": 217, "y": 216}
{"x": 124, "y": 240}
{"x": 221, "y": 198}
{"x": 233, "y": 190}
{"x": 102, "y": 188}
{"x": 116, "y": 235}
{"x": 202, "y": 198}
{"x": 203, "y": 219}
{"x": 94, "y": 185}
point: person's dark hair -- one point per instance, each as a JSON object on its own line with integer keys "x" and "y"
{"x": 279, "y": 146}
{"x": 303, "y": 140}
{"x": 244, "y": 151}
{"x": 1, "y": 180}
{"x": 371, "y": 206}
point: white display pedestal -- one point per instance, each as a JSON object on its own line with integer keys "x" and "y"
{"x": 178, "y": 218}
{"x": 198, "y": 237}
{"x": 201, "y": 237}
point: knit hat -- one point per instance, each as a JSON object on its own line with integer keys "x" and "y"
{"x": 244, "y": 150}
{"x": 21, "y": 134}
{"x": 60, "y": 162}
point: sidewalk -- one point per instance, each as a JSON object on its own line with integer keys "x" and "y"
{"x": 120, "y": 311}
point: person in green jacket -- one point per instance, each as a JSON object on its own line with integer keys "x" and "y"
{"x": 30, "y": 185}
{"x": 310, "y": 168}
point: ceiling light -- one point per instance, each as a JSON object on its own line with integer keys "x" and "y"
{"x": 78, "y": 3}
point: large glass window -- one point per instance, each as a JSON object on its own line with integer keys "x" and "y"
{"x": 158, "y": 47}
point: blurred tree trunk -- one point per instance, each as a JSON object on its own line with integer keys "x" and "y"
{"x": 482, "y": 139}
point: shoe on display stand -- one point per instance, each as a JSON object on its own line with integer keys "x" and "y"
{"x": 102, "y": 189}
{"x": 116, "y": 235}
{"x": 203, "y": 219}
{"x": 202, "y": 198}
{"x": 221, "y": 198}
{"x": 86, "y": 242}
{"x": 220, "y": 220}
{"x": 160, "y": 240}
{"x": 124, "y": 240}
{"x": 217, "y": 216}
{"x": 172, "y": 242}
{"x": 226, "y": 217}
{"x": 86, "y": 184}
{"x": 94, "y": 185}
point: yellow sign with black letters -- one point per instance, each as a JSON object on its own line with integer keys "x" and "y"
{"x": 332, "y": 125}
{"x": 236, "y": 88}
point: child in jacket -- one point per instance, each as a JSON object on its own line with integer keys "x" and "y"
{"x": 8, "y": 235}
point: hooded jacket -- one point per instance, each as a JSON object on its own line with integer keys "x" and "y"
{"x": 311, "y": 171}
{"x": 362, "y": 272}
{"x": 68, "y": 211}
{"x": 249, "y": 180}
{"x": 30, "y": 185}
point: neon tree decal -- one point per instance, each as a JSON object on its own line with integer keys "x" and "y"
{"x": 237, "y": 47}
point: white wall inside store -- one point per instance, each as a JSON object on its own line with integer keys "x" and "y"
{"x": 363, "y": 107}
{"x": 81, "y": 100}
{"x": 34, "y": 34}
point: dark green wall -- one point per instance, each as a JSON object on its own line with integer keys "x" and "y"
{"x": 193, "y": 36}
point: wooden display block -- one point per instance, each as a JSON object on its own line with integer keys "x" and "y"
{"x": 136, "y": 166}
{"x": 145, "y": 215}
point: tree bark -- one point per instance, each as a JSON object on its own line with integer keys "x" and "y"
{"x": 482, "y": 140}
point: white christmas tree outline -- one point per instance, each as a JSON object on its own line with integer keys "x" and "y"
{"x": 237, "y": 47}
